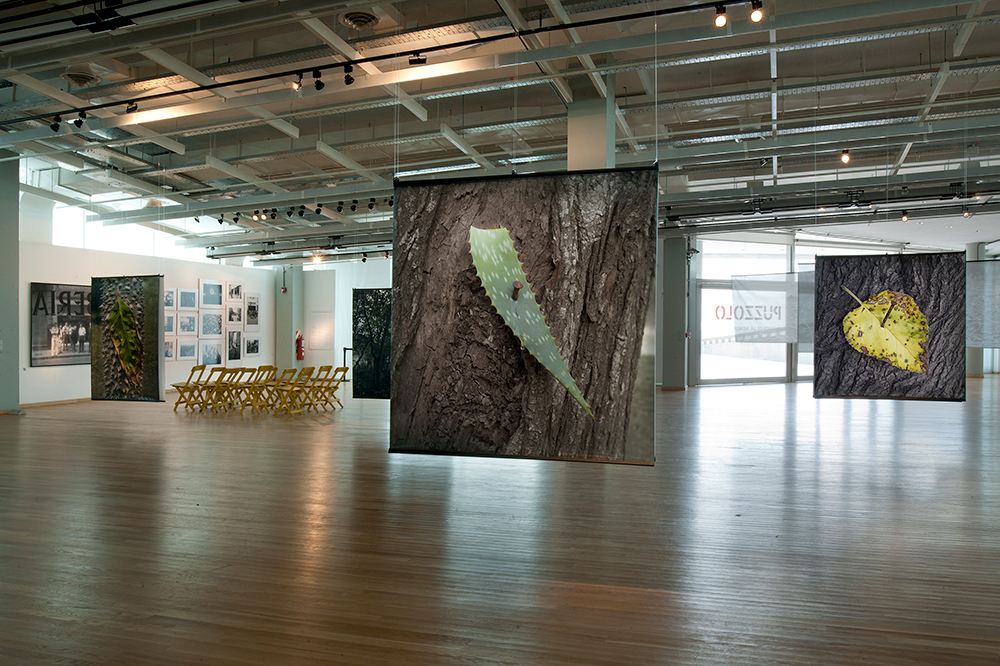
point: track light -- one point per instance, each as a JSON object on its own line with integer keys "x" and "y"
{"x": 221, "y": 221}
{"x": 354, "y": 206}
{"x": 319, "y": 209}
{"x": 274, "y": 215}
{"x": 966, "y": 212}
{"x": 297, "y": 84}
{"x": 348, "y": 79}
{"x": 720, "y": 16}
{"x": 79, "y": 121}
{"x": 236, "y": 219}
{"x": 391, "y": 201}
{"x": 364, "y": 257}
{"x": 317, "y": 81}
{"x": 371, "y": 204}
{"x": 387, "y": 254}
{"x": 256, "y": 215}
{"x": 197, "y": 221}
{"x": 131, "y": 107}
{"x": 55, "y": 123}
{"x": 340, "y": 206}
{"x": 905, "y": 216}
{"x": 845, "y": 156}
{"x": 417, "y": 59}
{"x": 757, "y": 11}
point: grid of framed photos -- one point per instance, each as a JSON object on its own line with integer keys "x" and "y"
{"x": 211, "y": 324}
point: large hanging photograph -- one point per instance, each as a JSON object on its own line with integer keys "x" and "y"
{"x": 126, "y": 361}
{"x": 890, "y": 326}
{"x": 60, "y": 324}
{"x": 371, "y": 347}
{"x": 523, "y": 316}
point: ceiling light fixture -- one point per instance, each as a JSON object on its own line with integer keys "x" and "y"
{"x": 371, "y": 204}
{"x": 905, "y": 216}
{"x": 340, "y": 206}
{"x": 317, "y": 81}
{"x": 364, "y": 257}
{"x": 966, "y": 212}
{"x": 417, "y": 59}
{"x": 221, "y": 221}
{"x": 297, "y": 84}
{"x": 845, "y": 156}
{"x": 348, "y": 79}
{"x": 720, "y": 16}
{"x": 757, "y": 11}
{"x": 55, "y": 123}
{"x": 79, "y": 121}
{"x": 131, "y": 107}
{"x": 354, "y": 206}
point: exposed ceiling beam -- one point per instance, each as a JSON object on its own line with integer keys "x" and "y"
{"x": 244, "y": 174}
{"x": 532, "y": 41}
{"x": 346, "y": 161}
{"x": 465, "y": 146}
{"x": 962, "y": 38}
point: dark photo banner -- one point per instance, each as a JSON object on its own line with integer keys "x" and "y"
{"x": 521, "y": 324}
{"x": 60, "y": 324}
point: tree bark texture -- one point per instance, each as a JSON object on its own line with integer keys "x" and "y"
{"x": 937, "y": 284}
{"x": 462, "y": 382}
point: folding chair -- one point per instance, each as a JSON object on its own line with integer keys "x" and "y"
{"x": 186, "y": 390}
{"x": 331, "y": 391}
{"x": 270, "y": 395}
{"x": 254, "y": 393}
{"x": 235, "y": 390}
{"x": 290, "y": 396}
{"x": 205, "y": 389}
{"x": 315, "y": 387}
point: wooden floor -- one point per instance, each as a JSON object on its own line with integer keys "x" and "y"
{"x": 774, "y": 529}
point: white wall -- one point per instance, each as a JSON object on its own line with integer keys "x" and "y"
{"x": 41, "y": 262}
{"x": 319, "y": 296}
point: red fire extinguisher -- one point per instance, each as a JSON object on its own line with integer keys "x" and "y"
{"x": 300, "y": 349}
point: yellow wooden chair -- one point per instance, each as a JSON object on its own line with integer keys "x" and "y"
{"x": 219, "y": 395}
{"x": 205, "y": 389}
{"x": 186, "y": 390}
{"x": 315, "y": 387}
{"x": 336, "y": 379}
{"x": 235, "y": 391}
{"x": 271, "y": 389}
{"x": 256, "y": 387}
{"x": 291, "y": 395}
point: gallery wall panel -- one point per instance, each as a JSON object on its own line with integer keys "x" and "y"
{"x": 907, "y": 338}
{"x": 463, "y": 381}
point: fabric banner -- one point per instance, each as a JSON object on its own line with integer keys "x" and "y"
{"x": 982, "y": 289}
{"x": 765, "y": 308}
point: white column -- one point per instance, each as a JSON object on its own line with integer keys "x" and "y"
{"x": 10, "y": 285}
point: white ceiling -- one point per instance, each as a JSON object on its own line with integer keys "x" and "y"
{"x": 751, "y": 115}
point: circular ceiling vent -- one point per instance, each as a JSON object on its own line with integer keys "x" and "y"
{"x": 80, "y": 75}
{"x": 359, "y": 20}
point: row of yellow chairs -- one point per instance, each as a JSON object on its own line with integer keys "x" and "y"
{"x": 261, "y": 389}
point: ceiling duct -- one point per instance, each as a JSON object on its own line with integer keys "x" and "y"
{"x": 359, "y": 20}
{"x": 81, "y": 75}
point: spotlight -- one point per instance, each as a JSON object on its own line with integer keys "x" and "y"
{"x": 236, "y": 219}
{"x": 417, "y": 59}
{"x": 318, "y": 82}
{"x": 55, "y": 123}
{"x": 274, "y": 215}
{"x": 316, "y": 259}
{"x": 371, "y": 204}
{"x": 966, "y": 212}
{"x": 720, "y": 16}
{"x": 291, "y": 211}
{"x": 197, "y": 220}
{"x": 301, "y": 213}
{"x": 387, "y": 254}
{"x": 364, "y": 257}
{"x": 757, "y": 11}
{"x": 318, "y": 211}
{"x": 391, "y": 200}
{"x": 905, "y": 217}
{"x": 845, "y": 156}
{"x": 340, "y": 206}
{"x": 79, "y": 121}
{"x": 297, "y": 85}
{"x": 221, "y": 221}
{"x": 348, "y": 79}
{"x": 256, "y": 215}
{"x": 131, "y": 107}
{"x": 354, "y": 206}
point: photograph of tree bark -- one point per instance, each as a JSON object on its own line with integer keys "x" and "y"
{"x": 462, "y": 382}
{"x": 891, "y": 326}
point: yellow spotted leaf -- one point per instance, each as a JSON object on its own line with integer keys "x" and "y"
{"x": 889, "y": 326}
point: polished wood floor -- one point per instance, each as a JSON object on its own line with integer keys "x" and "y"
{"x": 774, "y": 529}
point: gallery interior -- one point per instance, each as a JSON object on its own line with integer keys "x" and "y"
{"x": 263, "y": 143}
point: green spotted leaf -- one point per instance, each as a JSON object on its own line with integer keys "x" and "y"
{"x": 889, "y": 326}
{"x": 499, "y": 268}
{"x": 126, "y": 338}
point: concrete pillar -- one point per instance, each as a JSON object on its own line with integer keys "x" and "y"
{"x": 10, "y": 285}
{"x": 672, "y": 327}
{"x": 974, "y": 355}
{"x": 288, "y": 315}
{"x": 36, "y": 219}
{"x": 589, "y": 124}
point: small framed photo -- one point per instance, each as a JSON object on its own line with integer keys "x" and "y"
{"x": 210, "y": 352}
{"x": 169, "y": 349}
{"x": 187, "y": 349}
{"x": 251, "y": 348}
{"x": 187, "y": 299}
{"x": 211, "y": 293}
{"x": 234, "y": 292}
{"x": 234, "y": 315}
{"x": 251, "y": 319}
{"x": 234, "y": 346}
{"x": 168, "y": 323}
{"x": 170, "y": 298}
{"x": 187, "y": 323}
{"x": 210, "y": 324}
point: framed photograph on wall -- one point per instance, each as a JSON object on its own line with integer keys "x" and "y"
{"x": 234, "y": 315}
{"x": 60, "y": 324}
{"x": 187, "y": 323}
{"x": 210, "y": 292}
{"x": 234, "y": 292}
{"x": 169, "y": 349}
{"x": 168, "y": 323}
{"x": 210, "y": 324}
{"x": 187, "y": 349}
{"x": 210, "y": 352}
{"x": 251, "y": 319}
{"x": 234, "y": 345}
{"x": 251, "y": 346}
{"x": 187, "y": 299}
{"x": 170, "y": 298}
